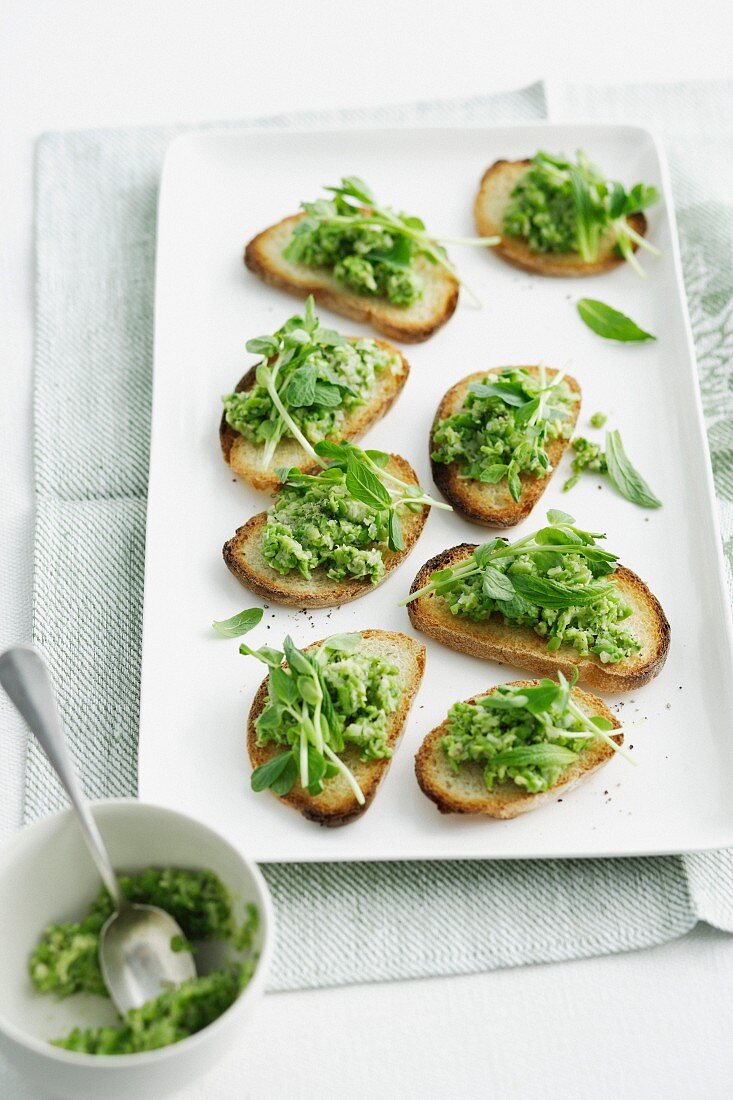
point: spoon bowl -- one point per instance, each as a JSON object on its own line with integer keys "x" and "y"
{"x": 142, "y": 949}
{"x": 138, "y": 956}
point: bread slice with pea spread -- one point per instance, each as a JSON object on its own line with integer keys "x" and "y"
{"x": 465, "y": 792}
{"x": 521, "y": 647}
{"x": 493, "y": 505}
{"x": 337, "y": 804}
{"x": 490, "y": 207}
{"x": 243, "y": 556}
{"x": 244, "y": 457}
{"x": 408, "y": 324}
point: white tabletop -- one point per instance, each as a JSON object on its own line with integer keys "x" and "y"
{"x": 647, "y": 1025}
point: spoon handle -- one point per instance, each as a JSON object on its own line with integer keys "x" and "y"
{"x": 25, "y": 678}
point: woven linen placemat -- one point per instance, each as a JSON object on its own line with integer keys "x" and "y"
{"x": 96, "y": 196}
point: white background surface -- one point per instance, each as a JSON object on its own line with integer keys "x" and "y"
{"x": 653, "y": 1024}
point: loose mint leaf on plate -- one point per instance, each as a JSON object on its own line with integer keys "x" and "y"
{"x": 610, "y": 323}
{"x": 239, "y": 624}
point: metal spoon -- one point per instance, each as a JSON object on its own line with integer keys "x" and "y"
{"x": 135, "y": 953}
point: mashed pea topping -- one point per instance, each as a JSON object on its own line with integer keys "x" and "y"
{"x": 310, "y": 379}
{"x": 369, "y": 249}
{"x": 526, "y": 735}
{"x": 563, "y": 206}
{"x": 327, "y": 698}
{"x": 66, "y": 961}
{"x": 557, "y": 581}
{"x": 343, "y": 518}
{"x": 503, "y": 428}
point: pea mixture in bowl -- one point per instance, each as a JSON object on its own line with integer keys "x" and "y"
{"x": 66, "y": 961}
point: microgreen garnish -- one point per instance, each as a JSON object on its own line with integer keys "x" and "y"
{"x": 560, "y": 205}
{"x": 525, "y": 734}
{"x": 342, "y": 518}
{"x": 239, "y": 624}
{"x": 323, "y": 699}
{"x": 610, "y": 323}
{"x": 308, "y": 378}
{"x": 556, "y": 582}
{"x": 561, "y": 537}
{"x": 371, "y": 248}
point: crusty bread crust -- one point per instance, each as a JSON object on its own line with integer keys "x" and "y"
{"x": 489, "y": 208}
{"x": 263, "y": 256}
{"x": 244, "y": 457}
{"x": 336, "y": 805}
{"x": 520, "y": 647}
{"x": 492, "y": 505}
{"x": 465, "y": 792}
{"x": 243, "y": 556}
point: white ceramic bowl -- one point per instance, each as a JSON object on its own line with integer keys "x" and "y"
{"x": 46, "y": 875}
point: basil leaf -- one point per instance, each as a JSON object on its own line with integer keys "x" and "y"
{"x": 538, "y": 756}
{"x": 396, "y": 541}
{"x": 278, "y": 770}
{"x": 239, "y": 624}
{"x": 511, "y": 393}
{"x": 527, "y": 410}
{"x": 555, "y": 516}
{"x": 554, "y": 594}
{"x": 496, "y": 585}
{"x": 609, "y": 323}
{"x": 624, "y": 477}
{"x": 301, "y": 390}
{"x": 365, "y": 486}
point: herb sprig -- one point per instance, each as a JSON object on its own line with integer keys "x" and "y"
{"x": 299, "y": 692}
{"x": 561, "y": 536}
{"x": 354, "y": 206}
{"x": 600, "y": 204}
{"x": 541, "y": 700}
{"x": 290, "y": 380}
{"x": 531, "y": 411}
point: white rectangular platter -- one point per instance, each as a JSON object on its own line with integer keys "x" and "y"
{"x": 218, "y": 190}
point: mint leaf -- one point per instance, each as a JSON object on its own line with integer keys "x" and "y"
{"x": 609, "y": 323}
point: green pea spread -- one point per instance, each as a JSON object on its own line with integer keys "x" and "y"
{"x": 66, "y": 961}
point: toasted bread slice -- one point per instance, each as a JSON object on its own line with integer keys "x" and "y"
{"x": 243, "y": 556}
{"x": 336, "y": 805}
{"x": 464, "y": 791}
{"x": 490, "y": 206}
{"x": 408, "y": 324}
{"x": 492, "y": 505}
{"x": 494, "y": 640}
{"x": 244, "y": 457}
